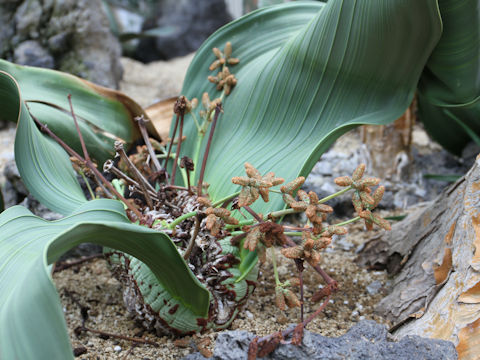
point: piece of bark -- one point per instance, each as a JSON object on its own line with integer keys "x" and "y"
{"x": 436, "y": 292}
{"x": 389, "y": 146}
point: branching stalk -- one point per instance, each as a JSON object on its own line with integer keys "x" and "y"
{"x": 181, "y": 218}
{"x": 274, "y": 262}
{"x": 143, "y": 130}
{"x": 144, "y": 184}
{"x": 179, "y": 146}
{"x": 338, "y": 193}
{"x": 253, "y": 213}
{"x": 240, "y": 224}
{"x": 80, "y": 136}
{"x": 300, "y": 268}
{"x": 287, "y": 332}
{"x": 226, "y": 198}
{"x": 218, "y": 109}
{"x": 171, "y": 141}
{"x": 109, "y": 167}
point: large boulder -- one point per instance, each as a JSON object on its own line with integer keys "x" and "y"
{"x": 191, "y": 23}
{"x": 68, "y": 35}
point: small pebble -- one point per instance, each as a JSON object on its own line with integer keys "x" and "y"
{"x": 79, "y": 351}
{"x": 117, "y": 348}
{"x": 374, "y": 287}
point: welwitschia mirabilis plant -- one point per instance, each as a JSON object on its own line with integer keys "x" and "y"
{"x": 308, "y": 72}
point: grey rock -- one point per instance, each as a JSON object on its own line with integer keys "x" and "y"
{"x": 27, "y": 19}
{"x": 40, "y": 210}
{"x": 31, "y": 53}
{"x": 72, "y": 36}
{"x": 365, "y": 340}
{"x": 374, "y": 287}
{"x": 323, "y": 168}
{"x": 400, "y": 193}
{"x": 341, "y": 242}
{"x": 192, "y": 22}
{"x": 59, "y": 43}
{"x": 7, "y": 28}
{"x": 10, "y": 196}
{"x": 13, "y": 177}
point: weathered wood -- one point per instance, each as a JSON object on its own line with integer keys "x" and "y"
{"x": 389, "y": 146}
{"x": 435, "y": 253}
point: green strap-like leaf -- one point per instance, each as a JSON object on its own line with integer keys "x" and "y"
{"x": 31, "y": 319}
{"x": 309, "y": 72}
{"x": 449, "y": 88}
{"x": 44, "y": 166}
{"x": 108, "y": 114}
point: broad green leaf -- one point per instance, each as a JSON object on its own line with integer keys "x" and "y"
{"x": 31, "y": 319}
{"x": 105, "y": 115}
{"x": 308, "y": 73}
{"x": 44, "y": 166}
{"x": 449, "y": 88}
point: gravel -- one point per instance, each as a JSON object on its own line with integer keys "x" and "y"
{"x": 92, "y": 285}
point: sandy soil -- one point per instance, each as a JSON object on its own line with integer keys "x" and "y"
{"x": 91, "y": 285}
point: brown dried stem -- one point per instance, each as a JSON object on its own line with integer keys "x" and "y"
{"x": 60, "y": 266}
{"x": 130, "y": 351}
{"x": 109, "y": 167}
{"x": 264, "y": 340}
{"x": 171, "y": 143}
{"x": 143, "y": 130}
{"x": 253, "y": 213}
{"x": 144, "y": 184}
{"x": 118, "y": 336}
{"x": 88, "y": 164}
{"x": 179, "y": 147}
{"x": 218, "y": 109}
{"x": 332, "y": 283}
{"x": 80, "y": 136}
{"x": 300, "y": 268}
{"x": 191, "y": 243}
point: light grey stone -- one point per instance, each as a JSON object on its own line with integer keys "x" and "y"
{"x": 374, "y": 287}
{"x": 365, "y": 340}
{"x": 31, "y": 53}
